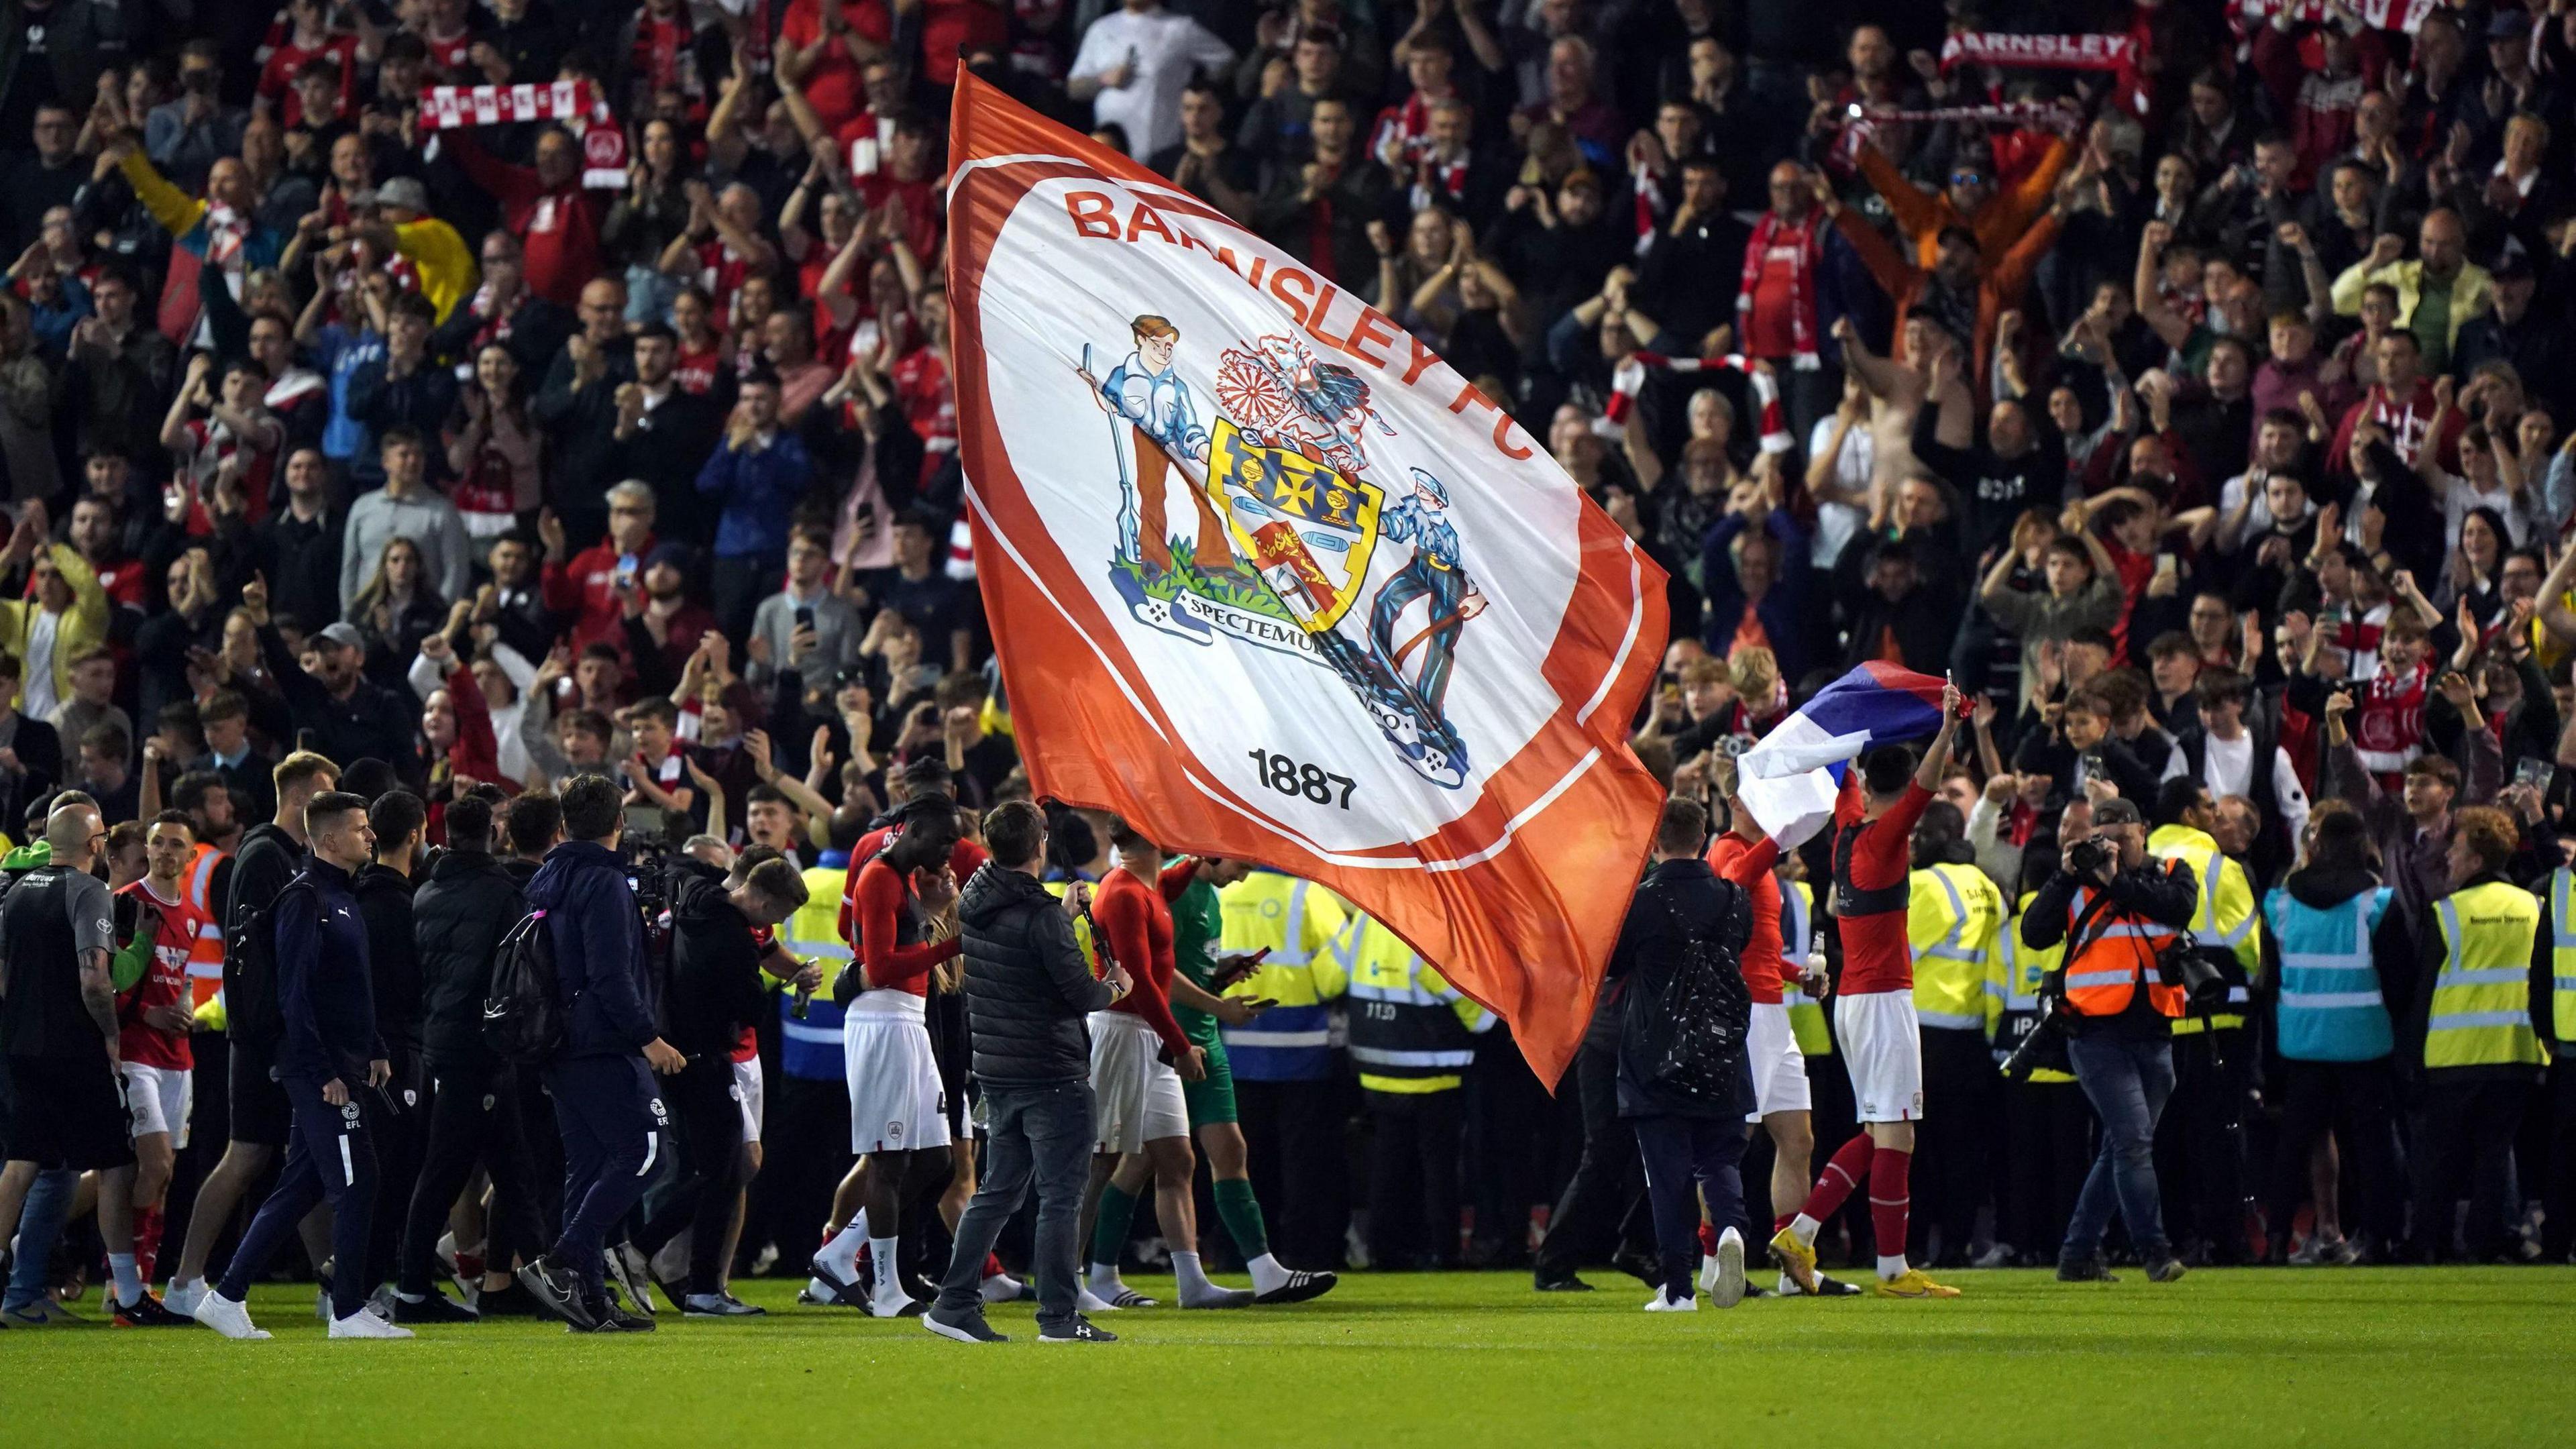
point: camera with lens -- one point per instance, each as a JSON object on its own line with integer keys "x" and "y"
{"x": 2043, "y": 1044}
{"x": 2095, "y": 857}
{"x": 2204, "y": 983}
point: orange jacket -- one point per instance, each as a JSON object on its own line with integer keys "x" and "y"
{"x": 1922, "y": 214}
{"x": 1999, "y": 287}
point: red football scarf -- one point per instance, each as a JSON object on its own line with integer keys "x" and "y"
{"x": 2398, "y": 15}
{"x": 1805, "y": 242}
{"x": 2388, "y": 727}
{"x": 2117, "y": 54}
{"x": 444, "y": 108}
{"x": 1630, "y": 377}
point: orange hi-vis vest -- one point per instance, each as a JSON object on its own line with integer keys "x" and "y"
{"x": 206, "y": 953}
{"x": 2104, "y": 972}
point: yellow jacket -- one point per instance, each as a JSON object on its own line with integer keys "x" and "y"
{"x": 80, "y": 629}
{"x": 448, "y": 274}
{"x": 2472, "y": 294}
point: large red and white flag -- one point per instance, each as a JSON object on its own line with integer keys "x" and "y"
{"x": 1272, "y": 581}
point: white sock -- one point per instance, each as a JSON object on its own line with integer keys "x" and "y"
{"x": 889, "y": 1283}
{"x": 840, "y": 1252}
{"x": 187, "y": 1285}
{"x": 1890, "y": 1267}
{"x": 1806, "y": 1229}
{"x": 129, "y": 1281}
{"x": 1267, "y": 1273}
{"x": 1185, "y": 1267}
{"x": 1105, "y": 1275}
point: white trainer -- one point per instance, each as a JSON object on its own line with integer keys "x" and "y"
{"x": 1664, "y": 1302}
{"x": 365, "y": 1324}
{"x": 1728, "y": 1288}
{"x": 227, "y": 1316}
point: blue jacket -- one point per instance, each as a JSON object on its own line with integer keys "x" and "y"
{"x": 325, "y": 984}
{"x": 760, "y": 492}
{"x": 2319, "y": 925}
{"x": 1783, "y": 607}
{"x": 599, "y": 950}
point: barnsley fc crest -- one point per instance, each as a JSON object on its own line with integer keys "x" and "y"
{"x": 1258, "y": 520}
{"x": 1307, "y": 530}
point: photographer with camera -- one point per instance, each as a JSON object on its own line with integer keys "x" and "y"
{"x": 2117, "y": 915}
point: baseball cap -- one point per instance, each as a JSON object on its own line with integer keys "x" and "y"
{"x": 344, "y": 634}
{"x": 670, "y": 551}
{"x": 405, "y": 192}
{"x": 2116, "y": 811}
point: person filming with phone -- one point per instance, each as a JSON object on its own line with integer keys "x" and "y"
{"x": 2118, "y": 911}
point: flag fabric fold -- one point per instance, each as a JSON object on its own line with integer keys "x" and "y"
{"x": 1272, "y": 581}
{"x": 1789, "y": 779}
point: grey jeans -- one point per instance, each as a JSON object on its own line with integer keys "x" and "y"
{"x": 1037, "y": 1131}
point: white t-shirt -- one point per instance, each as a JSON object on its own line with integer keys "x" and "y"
{"x": 1168, "y": 51}
{"x": 1838, "y": 523}
{"x": 43, "y": 628}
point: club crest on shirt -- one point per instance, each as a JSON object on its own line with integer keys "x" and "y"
{"x": 1252, "y": 513}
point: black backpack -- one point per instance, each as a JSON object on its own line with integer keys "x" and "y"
{"x": 252, "y": 1014}
{"x": 523, "y": 1012}
{"x": 1687, "y": 1016}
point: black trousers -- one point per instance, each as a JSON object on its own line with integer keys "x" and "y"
{"x": 400, "y": 1120}
{"x": 713, "y": 1164}
{"x": 330, "y": 1155}
{"x": 2200, "y": 1144}
{"x": 806, "y": 1135}
{"x": 1300, "y": 1169}
{"x": 2464, "y": 1146}
{"x": 1509, "y": 1141}
{"x": 611, "y": 1116}
{"x": 2558, "y": 1194}
{"x": 1413, "y": 1177}
{"x": 1688, "y": 1161}
{"x": 474, "y": 1116}
{"x": 1950, "y": 1176}
{"x": 2357, "y": 1101}
{"x": 2047, "y": 1151}
{"x": 1602, "y": 1200}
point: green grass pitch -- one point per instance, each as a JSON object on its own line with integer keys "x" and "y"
{"x": 2250, "y": 1359}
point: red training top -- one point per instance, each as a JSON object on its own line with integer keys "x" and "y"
{"x": 1748, "y": 864}
{"x": 880, "y": 897}
{"x": 1138, "y": 925}
{"x": 1877, "y": 956}
{"x": 166, "y": 984}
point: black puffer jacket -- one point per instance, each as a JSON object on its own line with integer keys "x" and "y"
{"x": 1027, "y": 987}
{"x": 458, "y": 917}
{"x": 715, "y": 987}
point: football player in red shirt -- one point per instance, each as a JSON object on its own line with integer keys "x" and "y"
{"x": 1882, "y": 1046}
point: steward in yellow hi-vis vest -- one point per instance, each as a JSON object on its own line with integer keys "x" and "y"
{"x": 2562, "y": 964}
{"x": 1298, "y": 923}
{"x": 2468, "y": 1037}
{"x": 1953, "y": 913}
{"x": 1413, "y": 1039}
